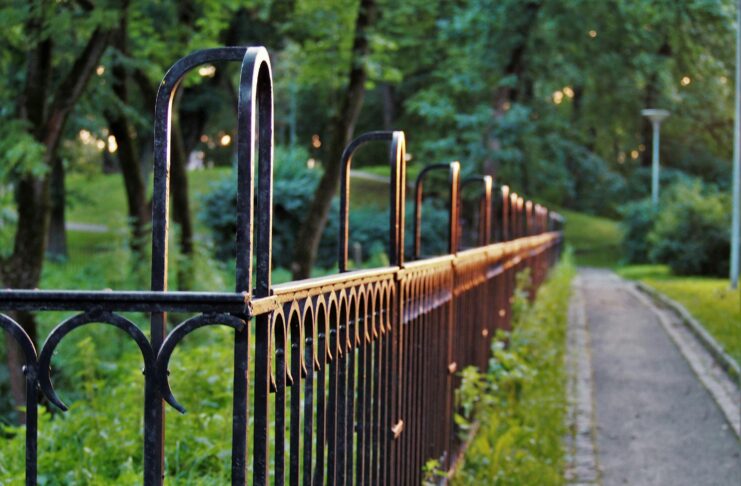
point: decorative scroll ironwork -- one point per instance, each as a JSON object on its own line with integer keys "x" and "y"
{"x": 357, "y": 371}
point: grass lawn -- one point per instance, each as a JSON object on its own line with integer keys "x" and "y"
{"x": 595, "y": 240}
{"x": 99, "y": 199}
{"x": 385, "y": 171}
{"x": 709, "y": 300}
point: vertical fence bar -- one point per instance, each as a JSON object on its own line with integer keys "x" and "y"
{"x": 341, "y": 397}
{"x": 351, "y": 343}
{"x": 323, "y": 353}
{"x": 30, "y": 369}
{"x": 261, "y": 96}
{"x": 279, "y": 365}
{"x": 331, "y": 416}
{"x": 360, "y": 423}
{"x": 297, "y": 372}
{"x": 311, "y": 364}
{"x": 505, "y": 222}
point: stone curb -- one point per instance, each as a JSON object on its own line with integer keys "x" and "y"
{"x": 582, "y": 461}
{"x": 724, "y": 360}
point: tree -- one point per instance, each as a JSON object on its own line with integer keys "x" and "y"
{"x": 43, "y": 106}
{"x": 341, "y": 128}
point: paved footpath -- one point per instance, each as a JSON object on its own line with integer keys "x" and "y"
{"x": 641, "y": 415}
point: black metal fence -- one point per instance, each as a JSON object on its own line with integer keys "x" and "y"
{"x": 354, "y": 374}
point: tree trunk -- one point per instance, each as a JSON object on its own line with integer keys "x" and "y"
{"x": 503, "y": 96}
{"x": 342, "y": 127}
{"x": 389, "y": 105}
{"x": 56, "y": 246}
{"x": 128, "y": 154}
{"x": 22, "y": 270}
{"x": 136, "y": 191}
{"x": 181, "y": 206}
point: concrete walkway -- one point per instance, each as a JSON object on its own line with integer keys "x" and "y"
{"x": 641, "y": 414}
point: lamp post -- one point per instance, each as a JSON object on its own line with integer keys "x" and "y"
{"x": 736, "y": 183}
{"x": 656, "y": 117}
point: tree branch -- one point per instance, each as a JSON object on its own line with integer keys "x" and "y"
{"x": 74, "y": 83}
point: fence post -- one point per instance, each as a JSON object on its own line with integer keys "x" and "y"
{"x": 154, "y": 414}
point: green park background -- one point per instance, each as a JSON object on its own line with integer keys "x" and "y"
{"x": 546, "y": 96}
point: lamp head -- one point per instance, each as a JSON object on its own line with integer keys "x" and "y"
{"x": 655, "y": 115}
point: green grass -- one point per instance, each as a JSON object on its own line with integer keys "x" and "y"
{"x": 99, "y": 199}
{"x": 595, "y": 240}
{"x": 521, "y": 400}
{"x": 709, "y": 300}
{"x": 368, "y": 193}
{"x": 99, "y": 259}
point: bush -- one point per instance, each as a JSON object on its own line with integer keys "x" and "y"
{"x": 691, "y": 232}
{"x": 638, "y": 220}
{"x": 293, "y": 190}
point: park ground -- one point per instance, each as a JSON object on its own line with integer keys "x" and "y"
{"x": 641, "y": 393}
{"x": 596, "y": 243}
{"x": 648, "y": 395}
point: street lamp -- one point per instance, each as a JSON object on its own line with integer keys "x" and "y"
{"x": 656, "y": 117}
{"x": 736, "y": 182}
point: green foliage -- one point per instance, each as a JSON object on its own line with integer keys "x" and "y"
{"x": 691, "y": 231}
{"x": 97, "y": 371}
{"x": 533, "y": 109}
{"x": 638, "y": 220}
{"x": 20, "y": 152}
{"x": 437, "y": 77}
{"x": 688, "y": 231}
{"x": 293, "y": 188}
{"x": 432, "y": 472}
{"x": 99, "y": 441}
{"x": 595, "y": 240}
{"x": 520, "y": 401}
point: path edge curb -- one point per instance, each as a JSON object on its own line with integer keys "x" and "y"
{"x": 724, "y": 360}
{"x": 582, "y": 465}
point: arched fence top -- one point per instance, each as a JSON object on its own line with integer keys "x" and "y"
{"x": 453, "y": 169}
{"x": 254, "y": 117}
{"x": 397, "y": 161}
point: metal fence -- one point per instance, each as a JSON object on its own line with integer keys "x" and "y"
{"x": 354, "y": 374}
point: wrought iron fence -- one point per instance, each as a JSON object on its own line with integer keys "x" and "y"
{"x": 354, "y": 374}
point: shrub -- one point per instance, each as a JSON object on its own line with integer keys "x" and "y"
{"x": 638, "y": 220}
{"x": 293, "y": 190}
{"x": 691, "y": 230}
